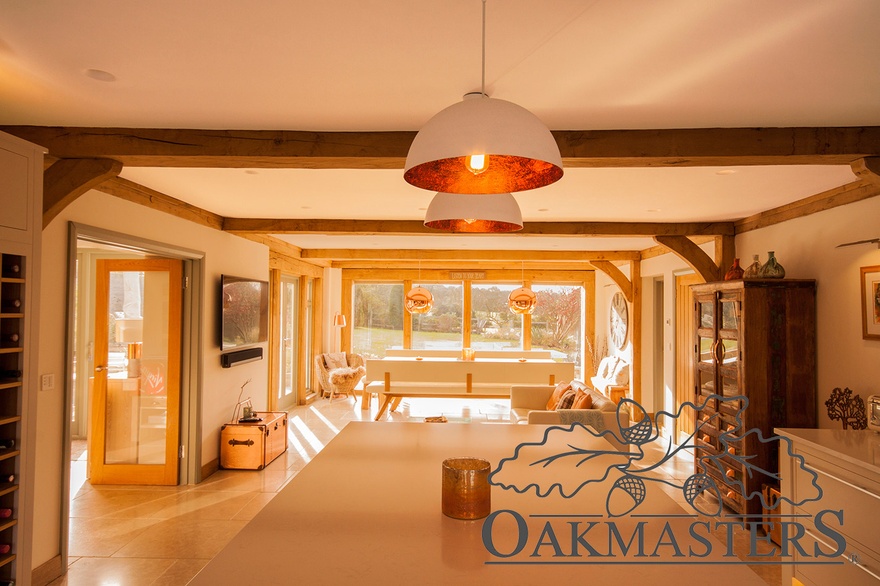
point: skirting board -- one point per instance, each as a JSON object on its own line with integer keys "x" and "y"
{"x": 47, "y": 572}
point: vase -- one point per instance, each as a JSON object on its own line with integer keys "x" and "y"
{"x": 753, "y": 269}
{"x": 734, "y": 272}
{"x": 771, "y": 269}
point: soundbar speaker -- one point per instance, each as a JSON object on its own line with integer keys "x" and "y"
{"x": 240, "y": 357}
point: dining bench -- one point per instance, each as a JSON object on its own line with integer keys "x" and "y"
{"x": 396, "y": 378}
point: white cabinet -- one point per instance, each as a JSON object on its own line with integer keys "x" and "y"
{"x": 847, "y": 465}
{"x": 21, "y": 204}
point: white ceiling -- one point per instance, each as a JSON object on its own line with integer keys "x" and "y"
{"x": 391, "y": 64}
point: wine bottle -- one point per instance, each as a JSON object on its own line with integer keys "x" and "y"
{"x": 10, "y": 478}
{"x": 12, "y": 269}
{"x": 11, "y": 338}
{"x": 7, "y": 444}
{"x": 12, "y": 305}
{"x": 10, "y": 373}
{"x": 7, "y": 582}
{"x": 5, "y": 548}
{"x": 5, "y": 513}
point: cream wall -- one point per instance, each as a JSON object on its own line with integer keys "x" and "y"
{"x": 806, "y": 247}
{"x": 223, "y": 253}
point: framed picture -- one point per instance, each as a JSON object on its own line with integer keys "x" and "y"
{"x": 871, "y": 303}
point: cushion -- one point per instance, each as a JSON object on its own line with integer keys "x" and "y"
{"x": 620, "y": 376}
{"x": 566, "y": 400}
{"x": 335, "y": 360}
{"x": 606, "y": 366}
{"x": 603, "y": 403}
{"x": 557, "y": 394}
{"x": 582, "y": 400}
{"x": 344, "y": 375}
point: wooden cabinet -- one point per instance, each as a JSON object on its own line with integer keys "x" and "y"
{"x": 251, "y": 446}
{"x": 755, "y": 348}
{"x": 21, "y": 188}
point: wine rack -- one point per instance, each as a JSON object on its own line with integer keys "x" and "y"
{"x": 12, "y": 339}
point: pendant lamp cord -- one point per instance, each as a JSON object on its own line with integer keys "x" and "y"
{"x": 483, "y": 82}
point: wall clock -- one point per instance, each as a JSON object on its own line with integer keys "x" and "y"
{"x": 618, "y": 320}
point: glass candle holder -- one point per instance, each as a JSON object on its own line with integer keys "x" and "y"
{"x": 466, "y": 490}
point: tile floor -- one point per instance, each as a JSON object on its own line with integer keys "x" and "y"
{"x": 162, "y": 536}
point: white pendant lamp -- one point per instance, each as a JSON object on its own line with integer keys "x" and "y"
{"x": 483, "y": 145}
{"x": 482, "y": 213}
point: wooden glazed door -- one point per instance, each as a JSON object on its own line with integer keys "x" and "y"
{"x": 135, "y": 389}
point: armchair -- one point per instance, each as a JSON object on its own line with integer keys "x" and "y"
{"x": 338, "y": 373}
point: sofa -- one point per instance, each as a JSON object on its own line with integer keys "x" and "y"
{"x": 528, "y": 404}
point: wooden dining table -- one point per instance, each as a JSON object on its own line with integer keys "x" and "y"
{"x": 367, "y": 510}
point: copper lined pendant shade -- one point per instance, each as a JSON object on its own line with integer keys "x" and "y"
{"x": 522, "y": 301}
{"x": 517, "y": 150}
{"x": 418, "y": 300}
{"x": 483, "y": 145}
{"x": 483, "y": 213}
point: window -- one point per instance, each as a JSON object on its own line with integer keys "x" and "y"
{"x": 441, "y": 328}
{"x": 378, "y": 318}
{"x": 557, "y": 323}
{"x": 493, "y": 325}
{"x": 288, "y": 380}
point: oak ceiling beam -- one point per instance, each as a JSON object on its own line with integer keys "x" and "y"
{"x": 137, "y": 193}
{"x": 67, "y": 179}
{"x": 626, "y": 286}
{"x": 406, "y": 227}
{"x": 340, "y": 254}
{"x": 838, "y": 196}
{"x": 867, "y": 169}
{"x": 693, "y": 255}
{"x": 165, "y": 147}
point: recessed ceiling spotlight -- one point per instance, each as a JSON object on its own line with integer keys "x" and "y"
{"x": 305, "y": 207}
{"x": 653, "y": 210}
{"x": 250, "y": 171}
{"x": 423, "y": 209}
{"x": 725, "y": 172}
{"x": 100, "y": 75}
{"x": 543, "y": 209}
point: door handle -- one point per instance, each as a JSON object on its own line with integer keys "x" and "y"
{"x": 100, "y": 368}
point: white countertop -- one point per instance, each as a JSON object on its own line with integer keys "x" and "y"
{"x": 859, "y": 447}
{"x": 366, "y": 510}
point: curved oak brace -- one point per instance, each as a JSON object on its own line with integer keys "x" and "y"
{"x": 693, "y": 255}
{"x": 867, "y": 168}
{"x": 67, "y": 179}
{"x": 617, "y": 276}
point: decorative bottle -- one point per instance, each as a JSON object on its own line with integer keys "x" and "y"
{"x": 734, "y": 272}
{"x": 753, "y": 269}
{"x": 771, "y": 269}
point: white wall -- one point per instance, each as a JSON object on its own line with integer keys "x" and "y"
{"x": 665, "y": 267}
{"x": 223, "y": 253}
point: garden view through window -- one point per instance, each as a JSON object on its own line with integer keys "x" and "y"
{"x": 556, "y": 324}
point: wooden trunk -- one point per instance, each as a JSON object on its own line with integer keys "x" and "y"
{"x": 251, "y": 446}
